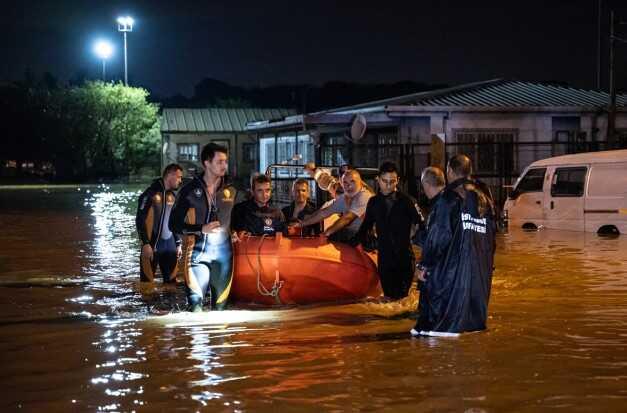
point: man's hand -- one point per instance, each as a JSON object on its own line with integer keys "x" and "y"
{"x": 359, "y": 248}
{"x": 238, "y": 236}
{"x": 179, "y": 252}
{"x": 421, "y": 273}
{"x": 210, "y": 227}
{"x": 147, "y": 252}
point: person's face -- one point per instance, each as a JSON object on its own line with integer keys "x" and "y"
{"x": 262, "y": 193}
{"x": 218, "y": 164}
{"x": 173, "y": 179}
{"x": 450, "y": 175}
{"x": 351, "y": 183}
{"x": 430, "y": 191}
{"x": 301, "y": 193}
{"x": 388, "y": 182}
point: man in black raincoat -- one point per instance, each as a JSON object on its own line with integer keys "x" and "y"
{"x": 457, "y": 257}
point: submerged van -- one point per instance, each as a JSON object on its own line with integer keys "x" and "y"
{"x": 580, "y": 192}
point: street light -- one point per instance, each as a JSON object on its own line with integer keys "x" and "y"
{"x": 103, "y": 50}
{"x": 125, "y": 25}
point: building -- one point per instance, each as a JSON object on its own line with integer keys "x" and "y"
{"x": 185, "y": 131}
{"x": 503, "y": 125}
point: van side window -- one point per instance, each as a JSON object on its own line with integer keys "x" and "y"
{"x": 568, "y": 182}
{"x": 532, "y": 181}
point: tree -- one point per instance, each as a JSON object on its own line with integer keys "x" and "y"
{"x": 106, "y": 129}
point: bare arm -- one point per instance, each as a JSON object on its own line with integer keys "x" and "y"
{"x": 317, "y": 216}
{"x": 344, "y": 221}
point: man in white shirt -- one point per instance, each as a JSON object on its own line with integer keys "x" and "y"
{"x": 351, "y": 206}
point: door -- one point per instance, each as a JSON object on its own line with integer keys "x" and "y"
{"x": 524, "y": 205}
{"x": 564, "y": 202}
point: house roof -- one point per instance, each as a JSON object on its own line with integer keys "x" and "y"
{"x": 217, "y": 119}
{"x": 491, "y": 95}
{"x": 498, "y": 93}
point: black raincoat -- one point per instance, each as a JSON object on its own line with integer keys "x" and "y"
{"x": 458, "y": 254}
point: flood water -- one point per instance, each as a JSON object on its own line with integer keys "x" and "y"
{"x": 79, "y": 333}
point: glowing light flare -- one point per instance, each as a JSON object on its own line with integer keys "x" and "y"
{"x": 125, "y": 23}
{"x": 103, "y": 49}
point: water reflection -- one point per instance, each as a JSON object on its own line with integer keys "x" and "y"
{"x": 89, "y": 337}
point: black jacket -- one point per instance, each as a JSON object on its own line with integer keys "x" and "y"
{"x": 192, "y": 211}
{"x": 393, "y": 225}
{"x": 248, "y": 216}
{"x": 151, "y": 211}
{"x": 458, "y": 253}
{"x": 309, "y": 209}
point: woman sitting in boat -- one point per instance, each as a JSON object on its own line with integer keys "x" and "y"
{"x": 300, "y": 208}
{"x": 256, "y": 216}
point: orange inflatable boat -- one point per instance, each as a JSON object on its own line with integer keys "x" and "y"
{"x": 281, "y": 270}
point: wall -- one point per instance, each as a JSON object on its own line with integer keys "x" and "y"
{"x": 238, "y": 166}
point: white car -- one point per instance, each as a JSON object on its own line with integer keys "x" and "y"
{"x": 580, "y": 192}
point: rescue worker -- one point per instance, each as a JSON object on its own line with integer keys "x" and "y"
{"x": 256, "y": 216}
{"x": 351, "y": 205}
{"x": 159, "y": 245}
{"x": 202, "y": 214}
{"x": 300, "y": 207}
{"x": 395, "y": 215}
{"x": 457, "y": 257}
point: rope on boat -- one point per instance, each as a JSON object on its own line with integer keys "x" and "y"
{"x": 278, "y": 283}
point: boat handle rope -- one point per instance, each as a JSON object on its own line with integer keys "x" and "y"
{"x": 278, "y": 283}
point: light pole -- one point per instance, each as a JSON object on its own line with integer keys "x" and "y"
{"x": 103, "y": 50}
{"x": 125, "y": 25}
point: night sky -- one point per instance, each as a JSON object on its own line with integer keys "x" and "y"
{"x": 175, "y": 44}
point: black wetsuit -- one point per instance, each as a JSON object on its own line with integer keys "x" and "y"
{"x": 394, "y": 216}
{"x": 209, "y": 257}
{"x": 309, "y": 209}
{"x": 248, "y": 216}
{"x": 151, "y": 221}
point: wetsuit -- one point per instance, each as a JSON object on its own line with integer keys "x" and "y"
{"x": 309, "y": 209}
{"x": 151, "y": 220}
{"x": 394, "y": 216}
{"x": 208, "y": 257}
{"x": 250, "y": 217}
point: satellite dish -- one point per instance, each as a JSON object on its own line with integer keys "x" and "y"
{"x": 358, "y": 128}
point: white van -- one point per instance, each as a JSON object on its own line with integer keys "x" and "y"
{"x": 580, "y": 192}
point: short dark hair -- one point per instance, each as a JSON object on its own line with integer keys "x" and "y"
{"x": 460, "y": 165}
{"x": 209, "y": 151}
{"x": 260, "y": 179}
{"x": 300, "y": 181}
{"x": 173, "y": 167}
{"x": 388, "y": 167}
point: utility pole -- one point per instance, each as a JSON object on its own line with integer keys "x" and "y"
{"x": 599, "y": 45}
{"x": 611, "y": 118}
{"x": 611, "y": 115}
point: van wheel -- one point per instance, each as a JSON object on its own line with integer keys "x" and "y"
{"x": 529, "y": 226}
{"x": 608, "y": 230}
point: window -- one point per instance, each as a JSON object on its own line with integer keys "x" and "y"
{"x": 249, "y": 152}
{"x": 491, "y": 151}
{"x": 568, "y": 182}
{"x": 532, "y": 181}
{"x": 187, "y": 152}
